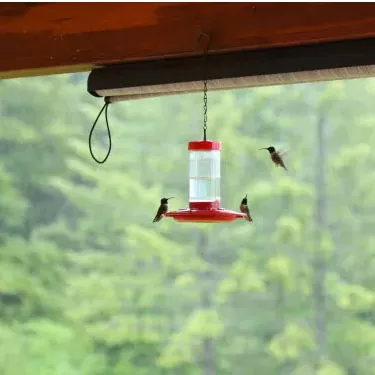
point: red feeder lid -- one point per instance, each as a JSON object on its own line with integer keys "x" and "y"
{"x": 204, "y": 146}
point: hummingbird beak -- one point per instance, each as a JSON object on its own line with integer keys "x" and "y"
{"x": 246, "y": 196}
{"x": 264, "y": 148}
{"x": 169, "y": 198}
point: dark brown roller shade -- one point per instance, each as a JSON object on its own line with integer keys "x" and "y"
{"x": 329, "y": 61}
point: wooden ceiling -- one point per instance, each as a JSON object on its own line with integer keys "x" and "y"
{"x": 48, "y": 38}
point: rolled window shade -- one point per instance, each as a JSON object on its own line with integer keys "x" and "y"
{"x": 278, "y": 66}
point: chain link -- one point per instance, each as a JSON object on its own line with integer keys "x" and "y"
{"x": 205, "y": 95}
{"x": 205, "y": 109}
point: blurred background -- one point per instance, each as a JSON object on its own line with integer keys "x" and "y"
{"x": 90, "y": 286}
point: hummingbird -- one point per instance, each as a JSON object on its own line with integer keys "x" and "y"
{"x": 245, "y": 209}
{"x": 275, "y": 156}
{"x": 163, "y": 208}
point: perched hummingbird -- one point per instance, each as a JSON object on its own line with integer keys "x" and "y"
{"x": 275, "y": 156}
{"x": 245, "y": 209}
{"x": 163, "y": 208}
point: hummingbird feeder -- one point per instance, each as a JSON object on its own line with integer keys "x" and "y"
{"x": 204, "y": 186}
{"x": 204, "y": 182}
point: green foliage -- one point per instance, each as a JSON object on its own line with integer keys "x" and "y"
{"x": 89, "y": 285}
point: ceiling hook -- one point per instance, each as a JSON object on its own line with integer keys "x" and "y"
{"x": 208, "y": 38}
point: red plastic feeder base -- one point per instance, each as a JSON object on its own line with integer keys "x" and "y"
{"x": 205, "y": 212}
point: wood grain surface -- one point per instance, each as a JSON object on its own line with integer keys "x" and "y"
{"x": 46, "y": 38}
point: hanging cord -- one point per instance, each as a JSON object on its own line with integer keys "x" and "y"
{"x": 205, "y": 86}
{"x": 105, "y": 109}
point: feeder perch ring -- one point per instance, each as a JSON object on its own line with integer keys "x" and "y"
{"x": 220, "y": 215}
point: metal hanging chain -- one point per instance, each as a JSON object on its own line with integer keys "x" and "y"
{"x": 105, "y": 107}
{"x": 205, "y": 88}
{"x": 205, "y": 110}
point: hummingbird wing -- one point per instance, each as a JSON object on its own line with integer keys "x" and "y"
{"x": 282, "y": 163}
{"x": 161, "y": 212}
{"x": 282, "y": 152}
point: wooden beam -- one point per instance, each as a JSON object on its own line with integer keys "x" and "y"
{"x": 63, "y": 37}
{"x": 45, "y": 71}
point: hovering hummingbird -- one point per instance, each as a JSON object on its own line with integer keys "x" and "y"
{"x": 163, "y": 209}
{"x": 245, "y": 209}
{"x": 275, "y": 156}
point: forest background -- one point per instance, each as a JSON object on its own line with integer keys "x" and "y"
{"x": 90, "y": 286}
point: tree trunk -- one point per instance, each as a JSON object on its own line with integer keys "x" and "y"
{"x": 320, "y": 263}
{"x": 208, "y": 344}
